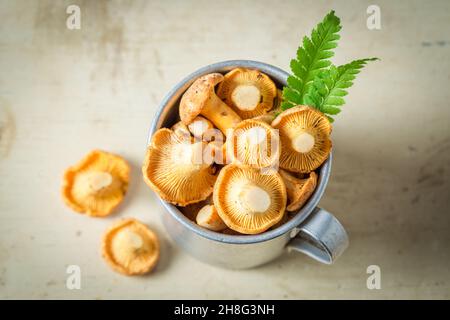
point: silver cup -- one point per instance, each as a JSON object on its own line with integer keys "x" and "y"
{"x": 312, "y": 231}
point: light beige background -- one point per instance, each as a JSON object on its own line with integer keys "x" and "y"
{"x": 63, "y": 93}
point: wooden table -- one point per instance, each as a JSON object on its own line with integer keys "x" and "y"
{"x": 64, "y": 92}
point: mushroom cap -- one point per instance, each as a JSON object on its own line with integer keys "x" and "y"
{"x": 251, "y": 144}
{"x": 248, "y": 92}
{"x": 197, "y": 95}
{"x": 97, "y": 184}
{"x": 208, "y": 218}
{"x": 247, "y": 200}
{"x": 304, "y": 138}
{"x": 298, "y": 190}
{"x": 174, "y": 168}
{"x": 130, "y": 247}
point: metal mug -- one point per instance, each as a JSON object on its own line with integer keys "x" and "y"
{"x": 312, "y": 231}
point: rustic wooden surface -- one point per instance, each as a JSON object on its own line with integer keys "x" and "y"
{"x": 63, "y": 93}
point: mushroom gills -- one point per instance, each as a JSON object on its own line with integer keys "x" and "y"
{"x": 176, "y": 169}
{"x": 304, "y": 138}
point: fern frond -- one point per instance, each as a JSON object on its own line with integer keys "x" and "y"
{"x": 329, "y": 86}
{"x": 311, "y": 58}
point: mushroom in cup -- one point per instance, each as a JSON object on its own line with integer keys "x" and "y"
{"x": 208, "y": 218}
{"x": 298, "y": 190}
{"x": 247, "y": 200}
{"x": 304, "y": 137}
{"x": 175, "y": 169}
{"x": 201, "y": 99}
{"x": 249, "y": 92}
{"x": 253, "y": 143}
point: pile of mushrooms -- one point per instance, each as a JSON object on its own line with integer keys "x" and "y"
{"x": 96, "y": 186}
{"x": 235, "y": 163}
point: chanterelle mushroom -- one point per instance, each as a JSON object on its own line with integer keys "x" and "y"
{"x": 304, "y": 137}
{"x": 208, "y": 218}
{"x": 174, "y": 168}
{"x": 201, "y": 99}
{"x": 130, "y": 247}
{"x": 97, "y": 184}
{"x": 199, "y": 126}
{"x": 253, "y": 143}
{"x": 298, "y": 190}
{"x": 249, "y": 92}
{"x": 247, "y": 200}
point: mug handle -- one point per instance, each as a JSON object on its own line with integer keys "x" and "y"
{"x": 321, "y": 236}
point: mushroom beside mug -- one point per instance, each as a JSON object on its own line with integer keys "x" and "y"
{"x": 312, "y": 231}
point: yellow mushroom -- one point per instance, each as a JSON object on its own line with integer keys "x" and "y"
{"x": 97, "y": 184}
{"x": 201, "y": 99}
{"x": 130, "y": 247}
{"x": 249, "y": 92}
{"x": 199, "y": 127}
{"x": 253, "y": 143}
{"x": 247, "y": 200}
{"x": 208, "y": 218}
{"x": 298, "y": 190}
{"x": 304, "y": 137}
{"x": 175, "y": 169}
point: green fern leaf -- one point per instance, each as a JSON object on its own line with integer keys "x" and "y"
{"x": 329, "y": 86}
{"x": 311, "y": 58}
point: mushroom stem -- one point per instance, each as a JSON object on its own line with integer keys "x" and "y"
{"x": 246, "y": 97}
{"x": 95, "y": 181}
{"x": 303, "y": 142}
{"x": 199, "y": 127}
{"x": 208, "y": 218}
{"x": 255, "y": 198}
{"x": 220, "y": 114}
{"x": 128, "y": 240}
